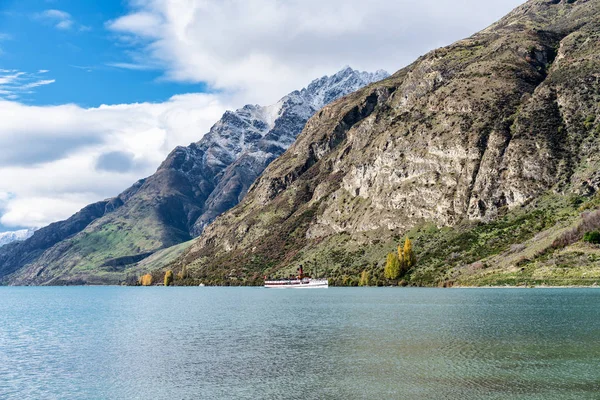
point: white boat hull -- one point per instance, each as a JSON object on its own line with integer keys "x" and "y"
{"x": 298, "y": 284}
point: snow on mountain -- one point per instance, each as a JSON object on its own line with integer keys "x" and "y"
{"x": 245, "y": 141}
{"x": 13, "y": 236}
{"x": 192, "y": 186}
{"x": 239, "y": 130}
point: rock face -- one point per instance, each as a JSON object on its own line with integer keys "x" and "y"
{"x": 486, "y": 124}
{"x": 241, "y": 145}
{"x": 191, "y": 187}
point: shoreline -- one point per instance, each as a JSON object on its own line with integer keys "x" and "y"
{"x": 355, "y": 287}
{"x": 529, "y": 287}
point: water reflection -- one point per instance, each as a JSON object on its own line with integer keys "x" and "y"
{"x": 253, "y": 343}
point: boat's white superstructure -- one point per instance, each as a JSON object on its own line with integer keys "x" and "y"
{"x": 299, "y": 282}
{"x": 305, "y": 283}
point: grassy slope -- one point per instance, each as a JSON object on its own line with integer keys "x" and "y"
{"x": 515, "y": 249}
{"x": 162, "y": 257}
{"x": 104, "y": 253}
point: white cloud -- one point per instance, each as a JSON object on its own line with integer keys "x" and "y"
{"x": 60, "y": 20}
{"x": 56, "y": 14}
{"x": 86, "y": 68}
{"x": 132, "y": 66}
{"x": 38, "y": 83}
{"x": 63, "y": 157}
{"x": 58, "y": 155}
{"x": 65, "y": 24}
{"x": 11, "y": 77}
{"x": 139, "y": 23}
{"x": 266, "y": 48}
{"x": 14, "y": 83}
{"x": 31, "y": 211}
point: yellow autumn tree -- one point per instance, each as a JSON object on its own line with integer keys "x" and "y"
{"x": 146, "y": 280}
{"x": 402, "y": 260}
{"x": 410, "y": 260}
{"x": 392, "y": 267}
{"x": 168, "y": 278}
{"x": 364, "y": 278}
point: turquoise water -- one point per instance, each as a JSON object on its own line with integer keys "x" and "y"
{"x": 338, "y": 343}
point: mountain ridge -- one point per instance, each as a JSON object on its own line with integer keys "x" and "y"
{"x": 467, "y": 133}
{"x": 190, "y": 188}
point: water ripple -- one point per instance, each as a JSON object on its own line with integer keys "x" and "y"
{"x": 248, "y": 343}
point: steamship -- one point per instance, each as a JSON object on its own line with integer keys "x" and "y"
{"x": 300, "y": 282}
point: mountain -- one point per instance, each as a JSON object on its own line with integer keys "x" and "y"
{"x": 14, "y": 236}
{"x": 102, "y": 243}
{"x": 244, "y": 142}
{"x": 473, "y": 150}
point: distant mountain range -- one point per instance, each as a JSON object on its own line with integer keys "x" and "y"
{"x": 13, "y": 236}
{"x": 189, "y": 190}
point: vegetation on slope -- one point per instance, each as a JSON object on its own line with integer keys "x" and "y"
{"x": 473, "y": 151}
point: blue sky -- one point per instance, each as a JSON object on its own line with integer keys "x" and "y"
{"x": 80, "y": 55}
{"x": 95, "y": 93}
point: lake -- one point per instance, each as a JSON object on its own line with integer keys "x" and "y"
{"x": 336, "y": 343}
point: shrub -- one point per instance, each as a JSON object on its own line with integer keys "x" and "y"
{"x": 592, "y": 237}
{"x": 168, "y": 277}
{"x": 590, "y": 221}
{"x": 589, "y": 121}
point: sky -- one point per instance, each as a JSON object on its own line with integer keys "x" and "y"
{"x": 95, "y": 94}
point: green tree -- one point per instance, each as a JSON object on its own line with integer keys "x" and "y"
{"x": 410, "y": 260}
{"x": 392, "y": 267}
{"x": 364, "y": 278}
{"x": 168, "y": 278}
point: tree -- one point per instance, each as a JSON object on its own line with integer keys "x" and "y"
{"x": 146, "y": 280}
{"x": 183, "y": 273}
{"x": 402, "y": 260}
{"x": 168, "y": 278}
{"x": 410, "y": 260}
{"x": 392, "y": 266}
{"x": 364, "y": 278}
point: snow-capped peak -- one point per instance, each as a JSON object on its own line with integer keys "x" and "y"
{"x": 240, "y": 131}
{"x": 323, "y": 91}
{"x": 227, "y": 160}
{"x": 13, "y": 236}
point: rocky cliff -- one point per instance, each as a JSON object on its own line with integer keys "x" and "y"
{"x": 467, "y": 134}
{"x": 101, "y": 243}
